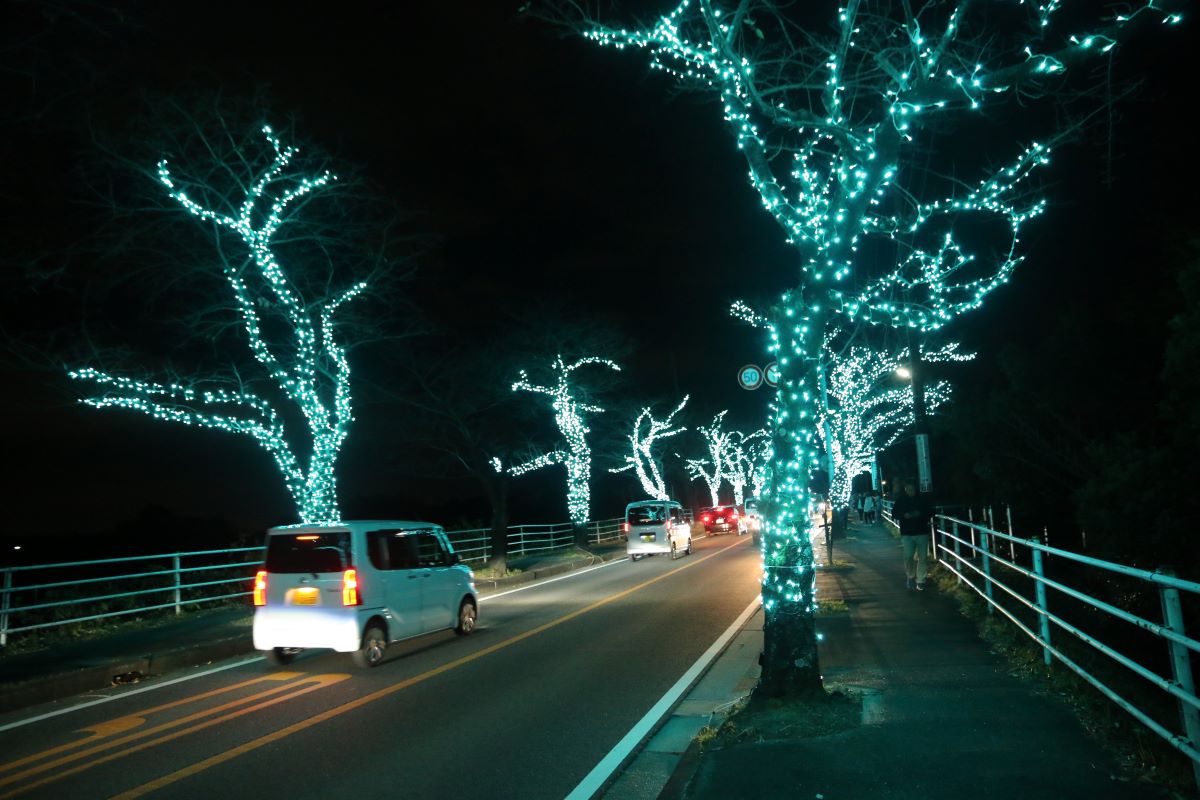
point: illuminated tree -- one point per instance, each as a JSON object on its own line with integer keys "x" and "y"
{"x": 299, "y": 363}
{"x": 713, "y": 468}
{"x": 642, "y": 460}
{"x": 742, "y": 460}
{"x": 568, "y": 415}
{"x": 837, "y": 124}
{"x": 869, "y": 412}
{"x": 760, "y": 454}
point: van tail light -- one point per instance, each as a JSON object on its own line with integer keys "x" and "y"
{"x": 625, "y": 527}
{"x": 260, "y": 588}
{"x": 350, "y": 587}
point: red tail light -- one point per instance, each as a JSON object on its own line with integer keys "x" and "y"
{"x": 260, "y": 588}
{"x": 350, "y": 587}
{"x": 625, "y": 527}
{"x": 706, "y": 518}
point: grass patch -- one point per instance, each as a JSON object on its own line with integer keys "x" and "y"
{"x": 832, "y": 712}
{"x": 827, "y": 608}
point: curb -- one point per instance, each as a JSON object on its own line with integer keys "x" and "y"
{"x": 676, "y": 786}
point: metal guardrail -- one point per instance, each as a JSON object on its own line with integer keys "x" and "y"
{"x": 475, "y": 544}
{"x": 166, "y": 580}
{"x": 61, "y": 593}
{"x": 975, "y": 554}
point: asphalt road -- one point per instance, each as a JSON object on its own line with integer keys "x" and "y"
{"x": 524, "y": 708}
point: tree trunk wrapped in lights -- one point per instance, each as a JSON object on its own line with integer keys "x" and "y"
{"x": 642, "y": 459}
{"x": 292, "y": 337}
{"x": 835, "y": 124}
{"x": 568, "y": 414}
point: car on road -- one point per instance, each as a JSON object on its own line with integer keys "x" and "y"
{"x": 753, "y": 519}
{"x": 656, "y": 526}
{"x": 358, "y": 586}
{"x": 723, "y": 519}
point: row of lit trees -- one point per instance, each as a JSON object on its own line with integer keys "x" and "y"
{"x": 303, "y": 359}
{"x": 837, "y": 123}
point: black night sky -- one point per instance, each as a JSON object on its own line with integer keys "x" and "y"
{"x": 546, "y": 175}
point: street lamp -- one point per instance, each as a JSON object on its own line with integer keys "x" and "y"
{"x": 914, "y": 373}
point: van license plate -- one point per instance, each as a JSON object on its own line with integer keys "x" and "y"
{"x": 647, "y": 537}
{"x": 304, "y": 597}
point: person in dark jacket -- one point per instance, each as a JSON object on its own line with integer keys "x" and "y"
{"x": 913, "y": 514}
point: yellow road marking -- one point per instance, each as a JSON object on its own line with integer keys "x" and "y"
{"x": 337, "y": 711}
{"x": 138, "y": 718}
{"x": 310, "y": 683}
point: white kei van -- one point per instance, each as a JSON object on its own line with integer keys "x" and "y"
{"x": 656, "y": 526}
{"x": 357, "y": 586}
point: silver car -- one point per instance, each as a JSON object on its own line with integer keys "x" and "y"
{"x": 656, "y": 526}
{"x": 355, "y": 587}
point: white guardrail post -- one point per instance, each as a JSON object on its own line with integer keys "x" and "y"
{"x": 957, "y": 554}
{"x": 985, "y": 547}
{"x": 175, "y": 567}
{"x": 5, "y": 602}
{"x": 1181, "y": 666}
{"x": 1040, "y": 594}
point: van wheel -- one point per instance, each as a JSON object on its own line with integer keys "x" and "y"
{"x": 674, "y": 550}
{"x": 280, "y": 656}
{"x": 689, "y": 547}
{"x": 374, "y": 643}
{"x": 634, "y": 556}
{"x": 467, "y": 616}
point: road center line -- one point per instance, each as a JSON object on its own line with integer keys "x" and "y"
{"x": 337, "y": 711}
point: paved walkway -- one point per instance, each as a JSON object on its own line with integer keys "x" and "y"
{"x": 943, "y": 718}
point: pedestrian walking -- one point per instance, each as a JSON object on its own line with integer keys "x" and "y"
{"x": 913, "y": 514}
{"x": 870, "y": 507}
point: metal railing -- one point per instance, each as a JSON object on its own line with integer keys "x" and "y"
{"x": 43, "y": 596}
{"x": 475, "y": 544}
{"x": 165, "y": 581}
{"x": 990, "y": 562}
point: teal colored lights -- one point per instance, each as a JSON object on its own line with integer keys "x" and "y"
{"x": 568, "y": 414}
{"x": 307, "y": 366}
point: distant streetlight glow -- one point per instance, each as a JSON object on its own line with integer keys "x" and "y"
{"x": 904, "y": 372}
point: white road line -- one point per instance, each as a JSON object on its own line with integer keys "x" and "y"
{"x": 573, "y": 574}
{"x": 123, "y": 695}
{"x": 609, "y": 764}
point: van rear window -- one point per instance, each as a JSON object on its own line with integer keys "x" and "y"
{"x": 308, "y": 552}
{"x": 646, "y": 515}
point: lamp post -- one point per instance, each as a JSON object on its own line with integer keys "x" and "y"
{"x": 915, "y": 373}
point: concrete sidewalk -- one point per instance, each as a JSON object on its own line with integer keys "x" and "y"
{"x": 943, "y": 718}
{"x": 133, "y": 653}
